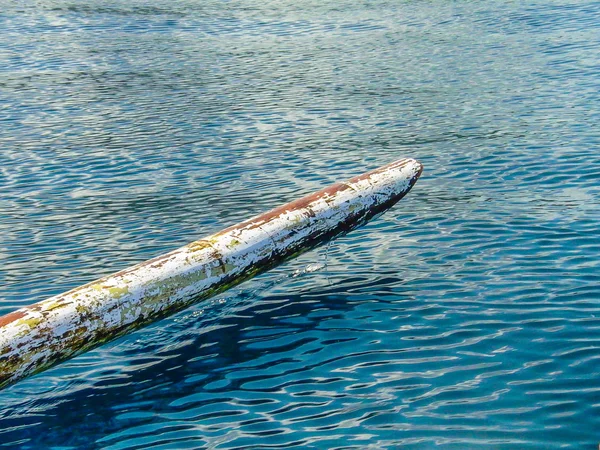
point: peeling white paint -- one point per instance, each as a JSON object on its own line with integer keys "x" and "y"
{"x": 41, "y": 335}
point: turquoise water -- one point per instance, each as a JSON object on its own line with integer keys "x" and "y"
{"x": 466, "y": 317}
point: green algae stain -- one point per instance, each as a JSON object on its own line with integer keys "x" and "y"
{"x": 81, "y": 309}
{"x": 31, "y": 323}
{"x": 197, "y": 253}
{"x": 114, "y": 292}
{"x": 228, "y": 267}
{"x": 233, "y": 243}
{"x": 197, "y": 246}
{"x": 118, "y": 292}
{"x": 52, "y": 306}
{"x": 166, "y": 289}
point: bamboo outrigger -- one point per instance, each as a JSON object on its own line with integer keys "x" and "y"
{"x": 41, "y": 335}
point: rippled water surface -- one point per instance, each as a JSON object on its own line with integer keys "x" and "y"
{"x": 468, "y": 316}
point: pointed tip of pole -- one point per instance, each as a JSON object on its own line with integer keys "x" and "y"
{"x": 417, "y": 166}
{"x": 402, "y": 170}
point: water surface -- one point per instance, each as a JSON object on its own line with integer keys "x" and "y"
{"x": 467, "y": 317}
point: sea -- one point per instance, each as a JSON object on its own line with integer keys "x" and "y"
{"x": 467, "y": 317}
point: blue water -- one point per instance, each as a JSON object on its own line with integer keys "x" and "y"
{"x": 466, "y": 317}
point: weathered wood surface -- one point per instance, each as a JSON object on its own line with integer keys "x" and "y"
{"x": 39, "y": 336}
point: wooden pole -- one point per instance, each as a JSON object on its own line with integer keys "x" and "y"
{"x": 41, "y": 335}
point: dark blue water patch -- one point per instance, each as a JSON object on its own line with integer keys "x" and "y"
{"x": 466, "y": 317}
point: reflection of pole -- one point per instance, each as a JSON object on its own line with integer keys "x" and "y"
{"x": 37, "y": 337}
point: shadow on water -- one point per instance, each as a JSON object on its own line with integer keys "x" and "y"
{"x": 195, "y": 353}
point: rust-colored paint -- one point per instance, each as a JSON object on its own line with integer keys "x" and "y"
{"x": 11, "y": 317}
{"x": 35, "y": 338}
